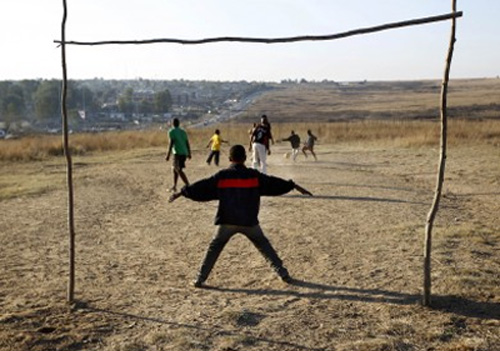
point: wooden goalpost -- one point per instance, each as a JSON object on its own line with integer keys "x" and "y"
{"x": 426, "y": 298}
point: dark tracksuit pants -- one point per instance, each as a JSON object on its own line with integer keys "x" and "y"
{"x": 215, "y": 155}
{"x": 225, "y": 232}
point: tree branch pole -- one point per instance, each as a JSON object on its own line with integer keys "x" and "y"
{"x": 360, "y": 31}
{"x": 69, "y": 163}
{"x": 442, "y": 162}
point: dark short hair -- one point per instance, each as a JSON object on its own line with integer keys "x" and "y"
{"x": 217, "y": 131}
{"x": 176, "y": 122}
{"x": 237, "y": 153}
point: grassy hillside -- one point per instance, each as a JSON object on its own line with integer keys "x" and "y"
{"x": 474, "y": 98}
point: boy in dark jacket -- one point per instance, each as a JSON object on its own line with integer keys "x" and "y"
{"x": 294, "y": 140}
{"x": 238, "y": 190}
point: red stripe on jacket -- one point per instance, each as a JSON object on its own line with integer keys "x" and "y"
{"x": 238, "y": 183}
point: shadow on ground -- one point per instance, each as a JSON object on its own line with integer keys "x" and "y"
{"x": 447, "y": 303}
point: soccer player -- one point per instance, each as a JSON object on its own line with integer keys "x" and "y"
{"x": 238, "y": 190}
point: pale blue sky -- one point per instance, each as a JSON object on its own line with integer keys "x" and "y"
{"x": 29, "y": 27}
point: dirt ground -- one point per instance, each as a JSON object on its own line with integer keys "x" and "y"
{"x": 355, "y": 250}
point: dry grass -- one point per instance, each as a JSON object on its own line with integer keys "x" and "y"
{"x": 397, "y": 133}
{"x": 42, "y": 147}
{"x": 390, "y": 133}
{"x": 355, "y": 249}
{"x": 378, "y": 100}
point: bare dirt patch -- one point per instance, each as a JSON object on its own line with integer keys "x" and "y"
{"x": 355, "y": 250}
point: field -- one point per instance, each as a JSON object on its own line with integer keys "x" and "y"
{"x": 467, "y": 98}
{"x": 355, "y": 248}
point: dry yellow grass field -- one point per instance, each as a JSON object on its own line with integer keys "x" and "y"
{"x": 355, "y": 248}
{"x": 393, "y": 133}
{"x": 467, "y": 98}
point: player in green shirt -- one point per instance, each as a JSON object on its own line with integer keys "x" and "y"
{"x": 179, "y": 145}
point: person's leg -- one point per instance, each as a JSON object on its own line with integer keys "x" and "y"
{"x": 222, "y": 235}
{"x": 295, "y": 152}
{"x": 312, "y": 152}
{"x": 183, "y": 176}
{"x": 255, "y": 156}
{"x": 175, "y": 170}
{"x": 261, "y": 152}
{"x": 257, "y": 237}
{"x": 179, "y": 166}
{"x": 304, "y": 151}
{"x": 263, "y": 160}
{"x": 210, "y": 156}
{"x": 176, "y": 177}
{"x": 217, "y": 157}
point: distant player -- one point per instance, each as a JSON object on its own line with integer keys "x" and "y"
{"x": 265, "y": 121}
{"x": 238, "y": 190}
{"x": 309, "y": 144}
{"x": 215, "y": 141}
{"x": 179, "y": 145}
{"x": 259, "y": 144}
{"x": 294, "y": 140}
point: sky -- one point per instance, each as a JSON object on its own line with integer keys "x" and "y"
{"x": 29, "y": 27}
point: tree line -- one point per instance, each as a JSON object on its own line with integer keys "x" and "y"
{"x": 38, "y": 101}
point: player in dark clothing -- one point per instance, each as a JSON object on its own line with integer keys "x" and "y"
{"x": 238, "y": 190}
{"x": 259, "y": 144}
{"x": 294, "y": 140}
{"x": 309, "y": 144}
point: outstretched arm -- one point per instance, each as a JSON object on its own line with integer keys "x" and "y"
{"x": 167, "y": 157}
{"x": 189, "y": 149}
{"x": 302, "y": 190}
{"x": 202, "y": 190}
{"x": 274, "y": 186}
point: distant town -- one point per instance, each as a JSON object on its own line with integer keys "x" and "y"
{"x": 34, "y": 106}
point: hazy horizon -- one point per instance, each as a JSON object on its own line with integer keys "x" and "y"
{"x": 437, "y": 79}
